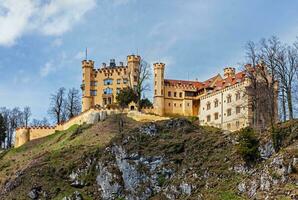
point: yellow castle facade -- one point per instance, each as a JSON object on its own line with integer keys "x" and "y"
{"x": 101, "y": 86}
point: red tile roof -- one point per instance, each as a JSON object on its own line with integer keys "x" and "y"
{"x": 218, "y": 85}
{"x": 183, "y": 83}
{"x": 229, "y": 81}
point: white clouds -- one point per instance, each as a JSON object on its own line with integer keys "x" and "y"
{"x": 53, "y": 18}
{"x": 14, "y": 20}
{"x": 46, "y": 69}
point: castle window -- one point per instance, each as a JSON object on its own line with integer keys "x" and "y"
{"x": 155, "y": 92}
{"x": 118, "y": 90}
{"x": 180, "y": 94}
{"x": 118, "y": 81}
{"x": 108, "y": 91}
{"x": 175, "y": 104}
{"x": 125, "y": 80}
{"x": 229, "y": 112}
{"x": 208, "y": 105}
{"x": 169, "y": 94}
{"x": 238, "y": 109}
{"x": 216, "y": 103}
{"x": 187, "y": 104}
{"x": 208, "y": 118}
{"x": 169, "y": 104}
{"x": 228, "y": 125}
{"x": 93, "y": 92}
{"x": 229, "y": 99}
{"x": 135, "y": 78}
{"x": 108, "y": 81}
{"x": 93, "y": 83}
{"x": 161, "y": 92}
{"x": 180, "y": 104}
{"x": 155, "y": 75}
{"x": 237, "y": 124}
{"x": 237, "y": 95}
{"x": 175, "y": 94}
{"x": 155, "y": 82}
{"x": 215, "y": 116}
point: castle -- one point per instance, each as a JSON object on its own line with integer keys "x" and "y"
{"x": 221, "y": 101}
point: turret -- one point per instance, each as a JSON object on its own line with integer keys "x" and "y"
{"x": 87, "y": 67}
{"x": 133, "y": 64}
{"x": 229, "y": 72}
{"x": 159, "y": 88}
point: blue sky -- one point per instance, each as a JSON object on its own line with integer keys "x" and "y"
{"x": 42, "y": 42}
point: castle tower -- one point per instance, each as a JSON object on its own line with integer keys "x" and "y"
{"x": 229, "y": 72}
{"x": 159, "y": 88}
{"x": 87, "y": 100}
{"x": 133, "y": 63}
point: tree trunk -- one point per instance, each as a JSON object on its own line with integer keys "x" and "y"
{"x": 283, "y": 101}
{"x": 290, "y": 105}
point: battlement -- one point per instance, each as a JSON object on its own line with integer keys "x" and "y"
{"x": 159, "y": 65}
{"x": 88, "y": 63}
{"x": 133, "y": 58}
{"x": 35, "y": 127}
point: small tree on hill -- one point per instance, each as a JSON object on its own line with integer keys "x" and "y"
{"x": 248, "y": 145}
{"x": 145, "y": 103}
{"x": 125, "y": 96}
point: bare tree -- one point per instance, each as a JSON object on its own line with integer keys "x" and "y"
{"x": 26, "y": 115}
{"x": 261, "y": 73}
{"x": 73, "y": 103}
{"x": 57, "y": 106}
{"x": 143, "y": 75}
{"x": 37, "y": 122}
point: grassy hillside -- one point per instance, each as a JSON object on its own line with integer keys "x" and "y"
{"x": 171, "y": 159}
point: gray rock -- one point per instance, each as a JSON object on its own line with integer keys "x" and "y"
{"x": 241, "y": 187}
{"x": 185, "y": 188}
{"x": 149, "y": 129}
{"x": 109, "y": 187}
{"x": 266, "y": 150}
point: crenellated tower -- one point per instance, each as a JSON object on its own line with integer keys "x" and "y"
{"x": 87, "y": 100}
{"x": 159, "y": 88}
{"x": 133, "y": 64}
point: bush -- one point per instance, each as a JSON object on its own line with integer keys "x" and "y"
{"x": 277, "y": 138}
{"x": 248, "y": 145}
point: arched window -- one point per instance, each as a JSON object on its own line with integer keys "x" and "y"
{"x": 208, "y": 105}
{"x": 238, "y": 96}
{"x": 216, "y": 103}
{"x": 229, "y": 98}
{"x": 108, "y": 91}
{"x": 108, "y": 81}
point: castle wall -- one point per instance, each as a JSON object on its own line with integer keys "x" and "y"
{"x": 91, "y": 116}
{"x": 232, "y": 121}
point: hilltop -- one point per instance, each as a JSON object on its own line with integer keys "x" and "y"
{"x": 170, "y": 159}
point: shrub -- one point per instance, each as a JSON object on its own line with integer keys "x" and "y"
{"x": 248, "y": 145}
{"x": 277, "y": 138}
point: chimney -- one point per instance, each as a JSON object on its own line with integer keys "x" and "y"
{"x": 121, "y": 64}
{"x": 229, "y": 72}
{"x": 112, "y": 63}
